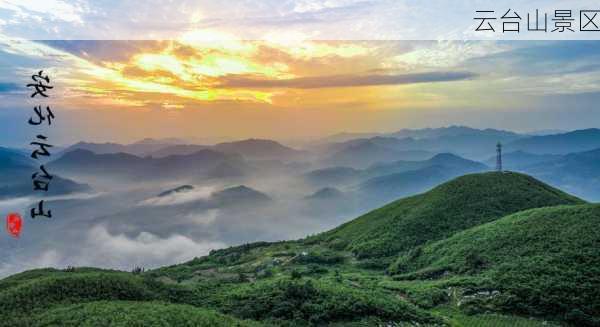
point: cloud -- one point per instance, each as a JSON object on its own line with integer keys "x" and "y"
{"x": 347, "y": 80}
{"x": 304, "y": 6}
{"x": 146, "y": 249}
{"x": 25, "y": 201}
{"x": 68, "y": 11}
{"x": 199, "y": 193}
{"x": 47, "y": 258}
{"x": 205, "y": 218}
{"x": 116, "y": 251}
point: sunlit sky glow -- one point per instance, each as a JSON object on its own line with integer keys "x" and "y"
{"x": 207, "y": 83}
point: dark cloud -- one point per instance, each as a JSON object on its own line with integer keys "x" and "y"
{"x": 8, "y": 87}
{"x": 346, "y": 80}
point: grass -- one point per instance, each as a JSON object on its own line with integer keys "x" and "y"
{"x": 459, "y": 319}
{"x": 460, "y": 204}
{"x": 317, "y": 301}
{"x": 129, "y": 314}
{"x": 541, "y": 262}
{"x": 467, "y": 253}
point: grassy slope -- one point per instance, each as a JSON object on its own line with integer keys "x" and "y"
{"x": 126, "y": 314}
{"x": 54, "y": 297}
{"x": 543, "y": 262}
{"x": 291, "y": 283}
{"x": 460, "y": 319}
{"x": 62, "y": 297}
{"x": 315, "y": 280}
{"x": 454, "y": 206}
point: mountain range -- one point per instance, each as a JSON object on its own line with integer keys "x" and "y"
{"x": 464, "y": 141}
{"x": 16, "y": 178}
{"x": 520, "y": 159}
{"x": 578, "y": 173}
{"x": 250, "y": 148}
{"x": 130, "y": 167}
{"x": 429, "y": 133}
{"x": 384, "y": 188}
{"x": 363, "y": 153}
{"x": 570, "y": 142}
{"x": 452, "y": 131}
{"x": 139, "y": 148}
{"x": 383, "y": 182}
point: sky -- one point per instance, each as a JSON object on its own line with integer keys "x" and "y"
{"x": 202, "y": 80}
{"x": 273, "y": 19}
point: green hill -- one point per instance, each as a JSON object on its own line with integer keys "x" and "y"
{"x": 96, "y": 297}
{"x": 542, "y": 262}
{"x": 462, "y": 203}
{"x": 470, "y": 252}
{"x": 125, "y": 314}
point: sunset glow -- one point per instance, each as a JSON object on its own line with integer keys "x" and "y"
{"x": 293, "y": 87}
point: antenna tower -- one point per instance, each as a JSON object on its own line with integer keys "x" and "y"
{"x": 499, "y": 157}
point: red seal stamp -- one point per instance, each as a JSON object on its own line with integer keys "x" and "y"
{"x": 14, "y": 223}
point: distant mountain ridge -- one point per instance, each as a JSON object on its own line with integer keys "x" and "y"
{"x": 363, "y": 153}
{"x": 464, "y": 141}
{"x": 333, "y": 176}
{"x": 249, "y": 148}
{"x": 424, "y": 133}
{"x": 326, "y": 193}
{"x": 123, "y": 165}
{"x": 405, "y": 178}
{"x": 15, "y": 180}
{"x": 178, "y": 149}
{"x": 575, "y": 141}
{"x": 179, "y": 189}
{"x": 58, "y": 186}
{"x": 475, "y": 143}
{"x": 577, "y": 173}
{"x": 449, "y": 164}
{"x": 454, "y": 130}
{"x": 140, "y": 148}
{"x": 12, "y": 158}
{"x": 259, "y": 149}
{"x": 517, "y": 160}
{"x": 240, "y": 195}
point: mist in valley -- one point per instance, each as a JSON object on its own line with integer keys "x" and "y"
{"x": 124, "y": 206}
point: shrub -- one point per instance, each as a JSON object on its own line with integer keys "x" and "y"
{"x": 295, "y": 274}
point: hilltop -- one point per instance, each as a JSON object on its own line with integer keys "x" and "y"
{"x": 404, "y": 178}
{"x": 462, "y": 203}
{"x": 259, "y": 149}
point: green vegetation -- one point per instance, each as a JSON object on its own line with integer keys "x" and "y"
{"x": 465, "y": 202}
{"x": 126, "y": 314}
{"x": 459, "y": 319}
{"x": 494, "y": 249}
{"x": 542, "y": 262}
{"x": 300, "y": 302}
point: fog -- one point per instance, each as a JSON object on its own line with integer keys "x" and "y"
{"x": 127, "y": 224}
{"x": 150, "y": 212}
